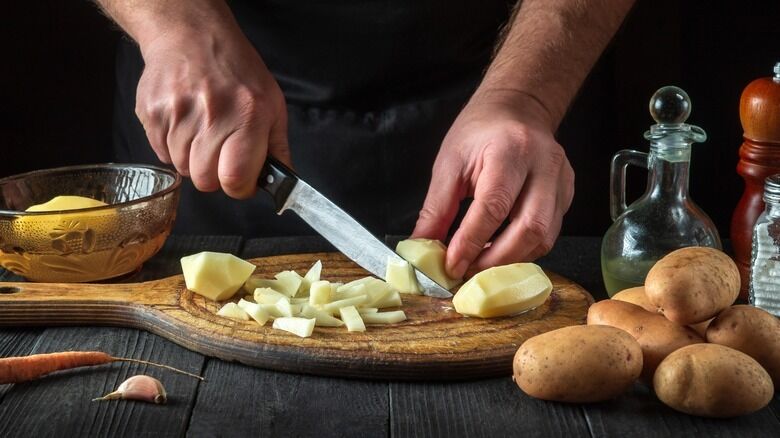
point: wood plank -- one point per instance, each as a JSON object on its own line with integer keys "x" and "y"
{"x": 640, "y": 414}
{"x": 485, "y": 408}
{"x": 435, "y": 342}
{"x": 59, "y": 405}
{"x": 237, "y": 400}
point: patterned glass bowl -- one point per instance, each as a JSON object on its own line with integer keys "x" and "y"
{"x": 87, "y": 244}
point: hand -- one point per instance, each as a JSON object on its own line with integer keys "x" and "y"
{"x": 501, "y": 151}
{"x": 211, "y": 108}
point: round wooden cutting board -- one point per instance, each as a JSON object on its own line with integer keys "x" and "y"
{"x": 434, "y": 343}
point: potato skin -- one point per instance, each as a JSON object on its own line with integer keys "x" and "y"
{"x": 712, "y": 380}
{"x": 692, "y": 285}
{"x": 636, "y": 295}
{"x": 578, "y": 364}
{"x": 657, "y": 336}
{"x": 752, "y": 331}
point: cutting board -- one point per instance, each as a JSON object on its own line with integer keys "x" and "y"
{"x": 434, "y": 343}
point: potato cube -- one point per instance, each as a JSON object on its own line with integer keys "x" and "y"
{"x": 255, "y": 311}
{"x": 320, "y": 292}
{"x": 400, "y": 275}
{"x": 264, "y": 295}
{"x": 312, "y": 275}
{"x": 428, "y": 256}
{"x": 503, "y": 290}
{"x": 334, "y": 306}
{"x": 289, "y": 282}
{"x": 323, "y": 319}
{"x": 216, "y": 276}
{"x": 352, "y": 319}
{"x": 231, "y": 310}
{"x": 384, "y": 317}
{"x": 302, "y": 327}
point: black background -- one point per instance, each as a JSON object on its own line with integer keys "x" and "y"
{"x": 56, "y": 91}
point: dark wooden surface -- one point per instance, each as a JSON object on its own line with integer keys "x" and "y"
{"x": 238, "y": 400}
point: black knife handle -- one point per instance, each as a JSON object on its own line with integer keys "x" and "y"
{"x": 278, "y": 180}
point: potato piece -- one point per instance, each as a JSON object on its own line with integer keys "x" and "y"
{"x": 657, "y": 336}
{"x": 323, "y": 319}
{"x": 334, "y": 306}
{"x": 66, "y": 202}
{"x": 578, "y": 364}
{"x": 320, "y": 292}
{"x": 383, "y": 317}
{"x": 428, "y": 256}
{"x": 503, "y": 290}
{"x": 701, "y": 327}
{"x": 400, "y": 275}
{"x": 353, "y": 291}
{"x": 352, "y": 319}
{"x": 289, "y": 282}
{"x": 692, "y": 285}
{"x": 302, "y": 327}
{"x": 231, "y": 310}
{"x": 264, "y": 295}
{"x": 636, "y": 295}
{"x": 254, "y": 283}
{"x": 312, "y": 275}
{"x": 287, "y": 309}
{"x": 255, "y": 311}
{"x": 712, "y": 380}
{"x": 352, "y": 284}
{"x": 362, "y": 310}
{"x": 392, "y": 299}
{"x": 216, "y": 276}
{"x": 752, "y": 331}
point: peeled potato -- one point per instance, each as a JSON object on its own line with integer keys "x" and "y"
{"x": 503, "y": 290}
{"x": 216, "y": 276}
{"x": 427, "y": 256}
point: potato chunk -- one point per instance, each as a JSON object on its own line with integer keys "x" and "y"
{"x": 231, "y": 310}
{"x": 427, "y": 256}
{"x": 503, "y": 290}
{"x": 400, "y": 275}
{"x": 302, "y": 327}
{"x": 216, "y": 276}
{"x": 352, "y": 319}
{"x": 320, "y": 292}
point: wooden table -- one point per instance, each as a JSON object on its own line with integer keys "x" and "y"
{"x": 238, "y": 400}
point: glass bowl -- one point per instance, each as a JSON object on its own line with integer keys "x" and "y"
{"x": 86, "y": 244}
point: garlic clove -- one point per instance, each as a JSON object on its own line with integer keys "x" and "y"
{"x": 141, "y": 388}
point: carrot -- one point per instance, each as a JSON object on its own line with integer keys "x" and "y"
{"x": 26, "y": 368}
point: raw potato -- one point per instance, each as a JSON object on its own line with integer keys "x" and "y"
{"x": 503, "y": 290}
{"x": 752, "y": 331}
{"x": 216, "y": 276}
{"x": 289, "y": 282}
{"x": 312, "y": 276}
{"x": 255, "y": 311}
{"x": 428, "y": 256}
{"x": 578, "y": 364}
{"x": 636, "y": 295}
{"x": 266, "y": 295}
{"x": 66, "y": 203}
{"x": 320, "y": 292}
{"x": 383, "y": 317}
{"x": 657, "y": 336}
{"x": 352, "y": 319}
{"x": 298, "y": 326}
{"x": 400, "y": 275}
{"x": 691, "y": 285}
{"x": 231, "y": 310}
{"x": 712, "y": 380}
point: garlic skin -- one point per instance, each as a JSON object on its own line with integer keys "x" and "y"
{"x": 141, "y": 387}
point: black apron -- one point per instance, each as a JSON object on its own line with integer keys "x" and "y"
{"x": 371, "y": 88}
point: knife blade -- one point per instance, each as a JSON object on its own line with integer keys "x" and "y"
{"x": 290, "y": 192}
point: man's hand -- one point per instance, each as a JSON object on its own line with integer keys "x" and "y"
{"x": 207, "y": 101}
{"x": 501, "y": 152}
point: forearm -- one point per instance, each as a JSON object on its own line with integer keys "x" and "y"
{"x": 147, "y": 20}
{"x": 550, "y": 48}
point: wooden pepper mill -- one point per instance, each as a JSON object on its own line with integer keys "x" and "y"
{"x": 759, "y": 157}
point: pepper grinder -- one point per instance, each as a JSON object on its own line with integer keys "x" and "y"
{"x": 759, "y": 157}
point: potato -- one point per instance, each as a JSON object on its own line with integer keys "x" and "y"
{"x": 400, "y": 275}
{"x": 657, "y": 336}
{"x": 66, "y": 203}
{"x": 636, "y": 295}
{"x": 752, "y": 331}
{"x": 578, "y": 364}
{"x": 214, "y": 275}
{"x": 428, "y": 256}
{"x": 692, "y": 285}
{"x": 701, "y": 327}
{"x": 503, "y": 290}
{"x": 712, "y": 380}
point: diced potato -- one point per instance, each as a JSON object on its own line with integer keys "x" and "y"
{"x": 393, "y": 299}
{"x": 312, "y": 275}
{"x": 272, "y": 309}
{"x": 255, "y": 311}
{"x": 216, "y": 276}
{"x": 355, "y": 291}
{"x": 320, "y": 292}
{"x": 323, "y": 319}
{"x": 352, "y": 319}
{"x": 231, "y": 310}
{"x": 287, "y": 309}
{"x": 362, "y": 310}
{"x": 66, "y": 202}
{"x": 334, "y": 306}
{"x": 300, "y": 300}
{"x": 302, "y": 327}
{"x": 265, "y": 295}
{"x": 253, "y": 283}
{"x": 352, "y": 284}
{"x": 384, "y": 317}
{"x": 503, "y": 290}
{"x": 400, "y": 275}
{"x": 428, "y": 256}
{"x": 289, "y": 282}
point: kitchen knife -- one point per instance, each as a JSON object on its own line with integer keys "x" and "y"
{"x": 290, "y": 192}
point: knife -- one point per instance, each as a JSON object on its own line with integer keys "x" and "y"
{"x": 290, "y": 192}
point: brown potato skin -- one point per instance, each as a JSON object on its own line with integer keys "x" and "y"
{"x": 578, "y": 364}
{"x": 752, "y": 331}
{"x": 691, "y": 285}
{"x": 636, "y": 295}
{"x": 657, "y": 336}
{"x": 712, "y": 380}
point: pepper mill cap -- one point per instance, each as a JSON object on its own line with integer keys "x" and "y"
{"x": 759, "y": 108}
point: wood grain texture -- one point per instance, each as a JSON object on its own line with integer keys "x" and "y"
{"x": 485, "y": 408}
{"x": 250, "y": 402}
{"x": 434, "y": 343}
